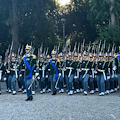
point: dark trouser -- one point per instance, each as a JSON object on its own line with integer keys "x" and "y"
{"x": 41, "y": 83}
{"x": 107, "y": 83}
{"x": 75, "y": 82}
{"x": 112, "y": 83}
{"x": 24, "y": 83}
{"x": 48, "y": 83}
{"x": 81, "y": 82}
{"x": 85, "y": 82}
{"x": 91, "y": 83}
{"x": 100, "y": 82}
{"x": 66, "y": 78}
{"x": 95, "y": 83}
{"x": 11, "y": 79}
{"x": 115, "y": 82}
{"x": 5, "y": 77}
{"x": 20, "y": 81}
{"x": 28, "y": 82}
{"x": 69, "y": 82}
{"x": 53, "y": 81}
{"x": 60, "y": 82}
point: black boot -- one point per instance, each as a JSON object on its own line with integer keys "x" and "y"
{"x": 29, "y": 99}
{"x": 54, "y": 93}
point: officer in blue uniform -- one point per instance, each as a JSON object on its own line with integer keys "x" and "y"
{"x": 29, "y": 60}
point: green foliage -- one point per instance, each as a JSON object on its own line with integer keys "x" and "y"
{"x": 110, "y": 34}
{"x": 39, "y": 21}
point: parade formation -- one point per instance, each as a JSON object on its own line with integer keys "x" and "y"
{"x": 95, "y": 69}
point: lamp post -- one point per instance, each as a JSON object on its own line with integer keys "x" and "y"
{"x": 63, "y": 20}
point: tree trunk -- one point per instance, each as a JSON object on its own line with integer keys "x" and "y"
{"x": 14, "y": 26}
{"x": 112, "y": 14}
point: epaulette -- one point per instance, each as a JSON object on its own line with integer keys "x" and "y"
{"x": 91, "y": 60}
{"x": 58, "y": 60}
{"x": 86, "y": 59}
{"x": 116, "y": 56}
{"x": 34, "y": 56}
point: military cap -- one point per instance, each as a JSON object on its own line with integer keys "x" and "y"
{"x": 28, "y": 47}
{"x": 60, "y": 54}
{"x": 75, "y": 54}
{"x": 48, "y": 56}
{"x": 13, "y": 55}
{"x": 53, "y": 52}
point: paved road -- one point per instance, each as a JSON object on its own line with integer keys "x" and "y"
{"x": 59, "y": 107}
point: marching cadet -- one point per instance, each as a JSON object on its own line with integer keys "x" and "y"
{"x": 61, "y": 63}
{"x": 22, "y": 77}
{"x": 111, "y": 72}
{"x": 66, "y": 71}
{"x": 54, "y": 64}
{"x": 84, "y": 72}
{"x": 69, "y": 76}
{"x": 29, "y": 60}
{"x": 107, "y": 73}
{"x": 100, "y": 74}
{"x": 75, "y": 66}
{"x": 2, "y": 70}
{"x": 6, "y": 75}
{"x": 13, "y": 74}
{"x": 48, "y": 82}
{"x": 114, "y": 83}
{"x": 41, "y": 77}
{"x": 81, "y": 73}
{"x": 91, "y": 73}
{"x": 95, "y": 72}
{"x": 116, "y": 67}
{"x": 19, "y": 77}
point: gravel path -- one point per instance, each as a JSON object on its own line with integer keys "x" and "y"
{"x": 59, "y": 107}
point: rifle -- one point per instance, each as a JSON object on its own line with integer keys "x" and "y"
{"x": 38, "y": 55}
{"x": 113, "y": 48}
{"x": 89, "y": 47}
{"x": 103, "y": 47}
{"x": 78, "y": 50}
{"x": 41, "y": 50}
{"x": 10, "y": 56}
{"x": 108, "y": 49}
{"x": 65, "y": 55}
{"x": 97, "y": 55}
{"x": 21, "y": 52}
{"x": 46, "y": 52}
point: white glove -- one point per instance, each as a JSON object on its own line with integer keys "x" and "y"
{"x": 114, "y": 68}
{"x": 75, "y": 77}
{"x": 8, "y": 71}
{"x": 95, "y": 72}
{"x": 64, "y": 69}
{"x": 43, "y": 68}
{"x": 60, "y": 74}
{"x": 20, "y": 75}
{"x": 5, "y": 79}
{"x": 116, "y": 76}
{"x": 108, "y": 77}
{"x": 36, "y": 74}
{"x": 46, "y": 76}
{"x": 112, "y": 76}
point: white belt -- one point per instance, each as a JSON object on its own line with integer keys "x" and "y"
{"x": 70, "y": 71}
{"x": 86, "y": 71}
{"x": 103, "y": 71}
{"x": 0, "y": 74}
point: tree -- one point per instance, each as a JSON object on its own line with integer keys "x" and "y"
{"x": 103, "y": 14}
